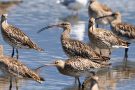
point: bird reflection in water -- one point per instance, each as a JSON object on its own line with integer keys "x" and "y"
{"x": 110, "y": 78}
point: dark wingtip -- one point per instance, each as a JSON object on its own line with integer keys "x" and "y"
{"x": 128, "y": 43}
{"x": 40, "y": 49}
{"x": 106, "y": 58}
{"x": 42, "y": 79}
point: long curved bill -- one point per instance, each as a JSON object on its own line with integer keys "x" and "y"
{"x": 50, "y": 64}
{"x": 47, "y": 27}
{"x": 104, "y": 17}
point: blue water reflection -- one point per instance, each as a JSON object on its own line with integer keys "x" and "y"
{"x": 30, "y": 16}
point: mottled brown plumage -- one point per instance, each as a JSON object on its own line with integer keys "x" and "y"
{"x": 75, "y": 47}
{"x": 15, "y": 69}
{"x": 77, "y": 66}
{"x": 104, "y": 39}
{"x": 125, "y": 30}
{"x": 15, "y": 37}
{"x": 122, "y": 30}
{"x": 97, "y": 9}
{"x": 91, "y": 83}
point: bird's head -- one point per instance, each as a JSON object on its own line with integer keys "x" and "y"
{"x": 64, "y": 25}
{"x": 57, "y": 63}
{"x": 4, "y": 17}
{"x": 114, "y": 16}
{"x": 92, "y": 21}
{"x": 91, "y": 1}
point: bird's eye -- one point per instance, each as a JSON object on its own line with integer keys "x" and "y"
{"x": 90, "y": 21}
{"x": 56, "y": 62}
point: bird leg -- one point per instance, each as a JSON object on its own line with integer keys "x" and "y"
{"x": 126, "y": 54}
{"x": 109, "y": 51}
{"x": 16, "y": 80}
{"x": 12, "y": 55}
{"x": 100, "y": 52}
{"x": 17, "y": 55}
{"x": 10, "y": 87}
{"x": 97, "y": 26}
{"x": 76, "y": 80}
{"x": 79, "y": 82}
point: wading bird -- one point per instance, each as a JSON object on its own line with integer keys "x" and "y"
{"x": 97, "y": 9}
{"x": 15, "y": 69}
{"x": 15, "y": 37}
{"x": 104, "y": 39}
{"x": 75, "y": 47}
{"x": 77, "y": 67}
{"x": 92, "y": 81}
{"x": 123, "y": 30}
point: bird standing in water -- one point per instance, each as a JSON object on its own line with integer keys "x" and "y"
{"x": 121, "y": 29}
{"x": 74, "y": 47}
{"x": 16, "y": 69}
{"x": 77, "y": 67}
{"x": 92, "y": 81}
{"x": 15, "y": 37}
{"x": 97, "y": 9}
{"x": 104, "y": 39}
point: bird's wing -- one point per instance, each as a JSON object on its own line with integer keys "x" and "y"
{"x": 16, "y": 68}
{"x": 16, "y": 34}
{"x": 125, "y": 29}
{"x": 110, "y": 37}
{"x": 82, "y": 64}
{"x": 81, "y": 49}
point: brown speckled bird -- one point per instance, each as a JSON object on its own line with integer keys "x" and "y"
{"x": 14, "y": 68}
{"x": 15, "y": 37}
{"x": 74, "y": 47}
{"x": 97, "y": 9}
{"x": 123, "y": 30}
{"x": 77, "y": 67}
{"x": 104, "y": 39}
{"x": 92, "y": 81}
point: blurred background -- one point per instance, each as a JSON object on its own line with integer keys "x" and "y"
{"x": 32, "y": 15}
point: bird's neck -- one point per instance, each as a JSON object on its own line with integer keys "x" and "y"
{"x": 4, "y": 23}
{"x": 61, "y": 68}
{"x": 91, "y": 28}
{"x": 117, "y": 20}
{"x": 94, "y": 85}
{"x": 66, "y": 33}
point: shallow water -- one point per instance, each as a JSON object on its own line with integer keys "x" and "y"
{"x": 31, "y": 16}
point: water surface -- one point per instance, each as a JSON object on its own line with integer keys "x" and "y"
{"x": 32, "y": 15}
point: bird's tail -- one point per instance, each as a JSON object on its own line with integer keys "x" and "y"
{"x": 128, "y": 43}
{"x": 105, "y": 58}
{"x": 39, "y": 49}
{"x": 35, "y": 76}
{"x": 41, "y": 79}
{"x": 33, "y": 45}
{"x": 105, "y": 64}
{"x": 124, "y": 44}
